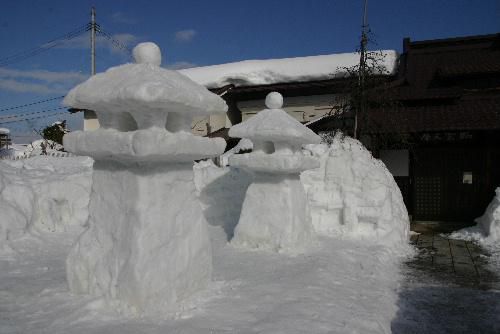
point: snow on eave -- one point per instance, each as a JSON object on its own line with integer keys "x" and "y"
{"x": 273, "y": 71}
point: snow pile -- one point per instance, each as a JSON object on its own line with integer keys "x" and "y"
{"x": 37, "y": 147}
{"x": 487, "y": 230}
{"x": 353, "y": 195}
{"x": 275, "y": 214}
{"x": 271, "y": 71}
{"x": 43, "y": 194}
{"x": 147, "y": 247}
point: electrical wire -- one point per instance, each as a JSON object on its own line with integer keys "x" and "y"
{"x": 114, "y": 42}
{"x": 20, "y": 56}
{"x": 31, "y": 104}
{"x": 31, "y": 118}
{"x": 29, "y": 113}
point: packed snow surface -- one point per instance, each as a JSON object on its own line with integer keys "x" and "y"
{"x": 339, "y": 286}
{"x": 151, "y": 145}
{"x": 147, "y": 246}
{"x": 353, "y": 195}
{"x": 487, "y": 230}
{"x": 275, "y": 213}
{"x": 43, "y": 194}
{"x": 272, "y": 71}
{"x": 143, "y": 88}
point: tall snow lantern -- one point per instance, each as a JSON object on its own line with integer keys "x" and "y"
{"x": 147, "y": 243}
{"x": 275, "y": 214}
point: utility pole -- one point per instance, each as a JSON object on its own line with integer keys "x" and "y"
{"x": 360, "y": 112}
{"x": 92, "y": 41}
{"x": 90, "y": 121}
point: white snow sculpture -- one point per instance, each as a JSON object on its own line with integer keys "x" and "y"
{"x": 353, "y": 195}
{"x": 275, "y": 214}
{"x": 147, "y": 244}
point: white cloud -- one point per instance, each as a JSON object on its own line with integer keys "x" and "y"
{"x": 43, "y": 75}
{"x": 185, "y": 35}
{"x": 39, "y": 81}
{"x": 24, "y": 87}
{"x": 121, "y": 17}
{"x": 180, "y": 65}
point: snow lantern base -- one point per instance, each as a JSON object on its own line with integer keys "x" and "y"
{"x": 147, "y": 244}
{"x": 274, "y": 215}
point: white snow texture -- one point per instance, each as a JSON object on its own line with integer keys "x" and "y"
{"x": 43, "y": 194}
{"x": 353, "y": 195}
{"x": 275, "y": 213}
{"x": 148, "y": 245}
{"x": 271, "y": 71}
{"x": 487, "y": 230}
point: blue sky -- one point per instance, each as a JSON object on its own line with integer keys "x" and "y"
{"x": 197, "y": 33}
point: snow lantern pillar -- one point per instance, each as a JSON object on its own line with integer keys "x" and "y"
{"x": 275, "y": 213}
{"x": 147, "y": 244}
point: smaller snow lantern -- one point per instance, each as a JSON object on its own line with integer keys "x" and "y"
{"x": 147, "y": 244}
{"x": 275, "y": 214}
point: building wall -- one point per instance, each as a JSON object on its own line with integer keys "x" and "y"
{"x": 302, "y": 108}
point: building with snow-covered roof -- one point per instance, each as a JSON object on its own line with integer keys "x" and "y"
{"x": 311, "y": 86}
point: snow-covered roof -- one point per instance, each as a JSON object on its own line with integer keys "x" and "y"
{"x": 272, "y": 71}
{"x": 144, "y": 86}
{"x": 4, "y": 131}
{"x": 274, "y": 124}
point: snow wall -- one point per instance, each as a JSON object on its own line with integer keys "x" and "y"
{"x": 352, "y": 195}
{"x": 44, "y": 194}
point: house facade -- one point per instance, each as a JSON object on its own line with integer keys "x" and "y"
{"x": 441, "y": 135}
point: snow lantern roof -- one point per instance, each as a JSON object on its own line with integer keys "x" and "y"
{"x": 144, "y": 86}
{"x": 273, "y": 71}
{"x": 4, "y": 131}
{"x": 275, "y": 125}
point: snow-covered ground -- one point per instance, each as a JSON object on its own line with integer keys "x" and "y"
{"x": 340, "y": 286}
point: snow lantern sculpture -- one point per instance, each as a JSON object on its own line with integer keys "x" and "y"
{"x": 147, "y": 244}
{"x": 275, "y": 213}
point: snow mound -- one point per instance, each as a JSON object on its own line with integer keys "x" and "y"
{"x": 487, "y": 230}
{"x": 271, "y": 71}
{"x": 43, "y": 194}
{"x": 352, "y": 195}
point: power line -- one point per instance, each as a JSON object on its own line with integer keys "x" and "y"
{"x": 114, "y": 42}
{"x": 30, "y": 113}
{"x": 32, "y": 103}
{"x": 20, "y": 56}
{"x": 31, "y": 118}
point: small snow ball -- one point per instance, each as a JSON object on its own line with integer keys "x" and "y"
{"x": 147, "y": 53}
{"x": 274, "y": 100}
